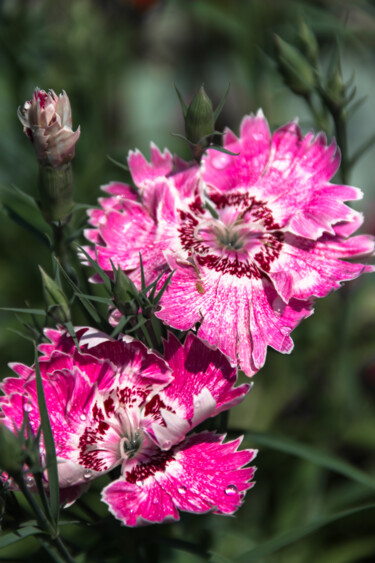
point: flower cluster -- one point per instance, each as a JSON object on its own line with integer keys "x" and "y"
{"x": 115, "y": 403}
{"x": 252, "y": 237}
{"x": 241, "y": 244}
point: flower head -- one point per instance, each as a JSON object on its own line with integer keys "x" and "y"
{"x": 47, "y": 121}
{"x": 131, "y": 222}
{"x": 251, "y": 247}
{"x": 114, "y": 403}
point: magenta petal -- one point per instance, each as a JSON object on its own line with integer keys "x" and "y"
{"x": 197, "y": 366}
{"x": 135, "y": 505}
{"x": 226, "y": 172}
{"x": 202, "y": 474}
{"x": 143, "y": 172}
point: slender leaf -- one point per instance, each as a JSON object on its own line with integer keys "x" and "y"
{"x": 118, "y": 164}
{"x": 49, "y": 444}
{"x": 70, "y": 328}
{"x": 51, "y": 550}
{"x": 222, "y": 149}
{"x": 119, "y": 327}
{"x": 83, "y": 299}
{"x": 221, "y": 104}
{"x": 160, "y": 294}
{"x": 311, "y": 454}
{"x": 105, "y": 300}
{"x": 105, "y": 277}
{"x": 25, "y": 310}
{"x": 143, "y": 281}
{"x": 288, "y": 538}
{"x": 22, "y": 533}
{"x": 146, "y": 335}
{"x": 19, "y": 333}
{"x": 24, "y": 223}
{"x": 184, "y": 107}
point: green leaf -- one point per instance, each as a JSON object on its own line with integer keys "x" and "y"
{"x": 221, "y": 104}
{"x": 222, "y": 149}
{"x": 143, "y": 282}
{"x": 160, "y": 294}
{"x": 105, "y": 277}
{"x": 311, "y": 454}
{"x": 119, "y": 327}
{"x": 25, "y": 310}
{"x": 13, "y": 537}
{"x": 117, "y": 163}
{"x": 83, "y": 299}
{"x": 283, "y": 540}
{"x": 70, "y": 328}
{"x": 49, "y": 444}
{"x": 105, "y": 300}
{"x": 22, "y": 222}
{"x": 184, "y": 107}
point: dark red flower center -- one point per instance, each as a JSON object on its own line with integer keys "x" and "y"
{"x": 238, "y": 236}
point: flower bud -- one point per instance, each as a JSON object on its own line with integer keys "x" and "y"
{"x": 335, "y": 91}
{"x": 47, "y": 121}
{"x": 295, "y": 68}
{"x": 308, "y": 42}
{"x": 199, "y": 119}
{"x": 124, "y": 294}
{"x": 57, "y": 304}
{"x": 12, "y": 454}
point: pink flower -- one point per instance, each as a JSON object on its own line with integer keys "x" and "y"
{"x": 250, "y": 248}
{"x": 47, "y": 121}
{"x": 114, "y": 403}
{"x": 131, "y": 222}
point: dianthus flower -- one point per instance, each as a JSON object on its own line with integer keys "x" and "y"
{"x": 47, "y": 121}
{"x": 116, "y": 404}
{"x": 251, "y": 244}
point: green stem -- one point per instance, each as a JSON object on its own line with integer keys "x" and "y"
{"x": 339, "y": 119}
{"x": 42, "y": 494}
{"x": 44, "y": 523}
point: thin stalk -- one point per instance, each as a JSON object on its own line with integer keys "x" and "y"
{"x": 339, "y": 119}
{"x": 44, "y": 522}
{"x": 42, "y": 494}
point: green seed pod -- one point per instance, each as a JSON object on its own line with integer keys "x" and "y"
{"x": 57, "y": 303}
{"x": 296, "y": 70}
{"x": 199, "y": 119}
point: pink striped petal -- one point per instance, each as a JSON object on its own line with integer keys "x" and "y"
{"x": 202, "y": 474}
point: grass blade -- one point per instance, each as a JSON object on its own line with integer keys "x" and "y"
{"x": 49, "y": 444}
{"x": 311, "y": 454}
{"x": 290, "y": 537}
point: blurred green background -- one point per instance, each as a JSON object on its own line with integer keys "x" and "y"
{"x": 118, "y": 61}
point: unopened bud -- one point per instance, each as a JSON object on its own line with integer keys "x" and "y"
{"x": 12, "y": 454}
{"x": 308, "y": 42}
{"x": 47, "y": 121}
{"x": 335, "y": 92}
{"x": 57, "y": 303}
{"x": 124, "y": 294}
{"x": 295, "y": 68}
{"x": 199, "y": 118}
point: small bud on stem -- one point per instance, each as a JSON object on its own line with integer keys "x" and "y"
{"x": 47, "y": 121}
